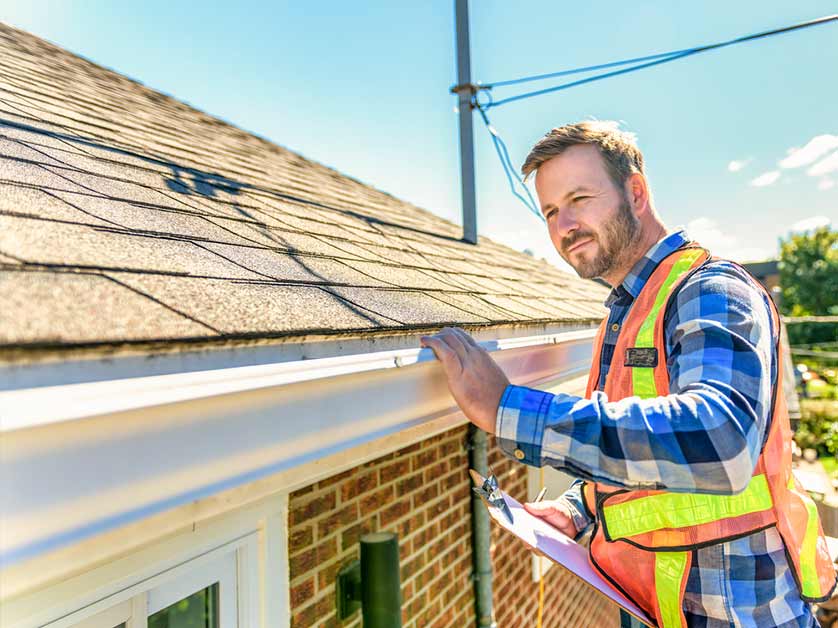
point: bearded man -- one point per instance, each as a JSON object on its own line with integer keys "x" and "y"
{"x": 682, "y": 443}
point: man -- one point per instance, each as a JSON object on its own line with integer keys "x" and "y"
{"x": 682, "y": 444}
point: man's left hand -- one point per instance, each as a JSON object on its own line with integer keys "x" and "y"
{"x": 475, "y": 380}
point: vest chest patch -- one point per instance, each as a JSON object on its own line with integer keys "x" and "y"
{"x": 646, "y": 357}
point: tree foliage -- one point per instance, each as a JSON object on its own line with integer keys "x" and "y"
{"x": 809, "y": 273}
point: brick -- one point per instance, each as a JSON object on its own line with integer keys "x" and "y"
{"x": 425, "y": 494}
{"x": 371, "y": 502}
{"x": 378, "y": 461}
{"x": 337, "y": 520}
{"x": 412, "y": 566}
{"x": 358, "y": 485}
{"x": 444, "y": 620}
{"x": 330, "y": 622}
{"x": 425, "y": 536}
{"x": 435, "y": 471}
{"x": 410, "y": 449}
{"x": 324, "y": 606}
{"x": 438, "y": 587}
{"x": 437, "y": 508}
{"x": 394, "y": 512}
{"x": 429, "y": 613}
{"x": 410, "y": 524}
{"x": 335, "y": 479}
{"x": 453, "y": 480}
{"x": 300, "y": 492}
{"x": 424, "y": 577}
{"x": 304, "y": 618}
{"x": 327, "y": 550}
{"x": 307, "y": 560}
{"x": 416, "y": 605}
{"x": 408, "y": 484}
{"x": 302, "y": 592}
{"x": 460, "y": 494}
{"x": 312, "y": 508}
{"x": 451, "y": 447}
{"x": 302, "y": 562}
{"x": 407, "y": 591}
{"x": 394, "y": 470}
{"x": 424, "y": 459}
{"x": 299, "y": 538}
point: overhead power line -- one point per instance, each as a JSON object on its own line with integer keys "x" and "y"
{"x": 509, "y": 169}
{"x": 640, "y": 63}
{"x": 636, "y": 63}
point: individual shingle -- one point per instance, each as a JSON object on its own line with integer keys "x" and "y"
{"x": 33, "y": 175}
{"x": 136, "y": 217}
{"x": 407, "y": 277}
{"x": 48, "y": 242}
{"x": 16, "y": 149}
{"x": 79, "y": 308}
{"x": 250, "y": 308}
{"x": 408, "y": 307}
{"x": 292, "y": 267}
{"x": 25, "y": 200}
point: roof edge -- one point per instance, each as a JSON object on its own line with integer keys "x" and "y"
{"x": 26, "y": 366}
{"x": 45, "y": 405}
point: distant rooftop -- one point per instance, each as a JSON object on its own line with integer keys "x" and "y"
{"x": 129, "y": 217}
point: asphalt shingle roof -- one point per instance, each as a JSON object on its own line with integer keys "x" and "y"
{"x": 128, "y": 216}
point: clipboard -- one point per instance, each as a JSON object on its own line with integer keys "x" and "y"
{"x": 544, "y": 539}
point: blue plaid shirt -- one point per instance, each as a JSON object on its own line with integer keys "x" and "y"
{"x": 705, "y": 436}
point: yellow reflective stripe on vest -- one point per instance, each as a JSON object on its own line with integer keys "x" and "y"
{"x": 683, "y": 510}
{"x": 642, "y": 378}
{"x": 669, "y": 573}
{"x": 809, "y": 581}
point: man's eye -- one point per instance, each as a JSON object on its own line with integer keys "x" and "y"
{"x": 550, "y": 214}
{"x": 576, "y": 199}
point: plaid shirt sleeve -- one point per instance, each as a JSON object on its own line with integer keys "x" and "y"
{"x": 705, "y": 436}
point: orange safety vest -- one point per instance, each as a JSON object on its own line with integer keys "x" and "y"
{"x": 643, "y": 539}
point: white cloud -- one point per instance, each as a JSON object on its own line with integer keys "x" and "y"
{"x": 736, "y": 166}
{"x": 766, "y": 178}
{"x": 722, "y": 243}
{"x": 810, "y": 224}
{"x": 825, "y": 166}
{"x": 826, "y": 184}
{"x": 814, "y": 149}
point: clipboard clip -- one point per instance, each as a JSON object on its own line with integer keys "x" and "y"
{"x": 490, "y": 491}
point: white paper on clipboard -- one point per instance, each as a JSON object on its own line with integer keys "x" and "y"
{"x": 541, "y": 536}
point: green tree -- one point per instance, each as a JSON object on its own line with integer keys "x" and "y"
{"x": 809, "y": 273}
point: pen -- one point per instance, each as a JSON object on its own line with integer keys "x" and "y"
{"x": 541, "y": 494}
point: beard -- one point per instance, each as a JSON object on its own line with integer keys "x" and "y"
{"x": 615, "y": 241}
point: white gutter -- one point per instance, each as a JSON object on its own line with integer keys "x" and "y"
{"x": 20, "y": 409}
{"x": 78, "y": 460}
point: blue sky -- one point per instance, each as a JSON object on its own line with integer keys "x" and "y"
{"x": 363, "y": 87}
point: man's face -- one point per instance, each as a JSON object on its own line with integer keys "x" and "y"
{"x": 591, "y": 222}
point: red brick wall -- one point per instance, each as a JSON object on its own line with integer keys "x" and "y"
{"x": 422, "y": 493}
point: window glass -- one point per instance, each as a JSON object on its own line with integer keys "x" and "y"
{"x": 199, "y": 610}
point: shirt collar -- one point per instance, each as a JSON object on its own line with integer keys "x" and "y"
{"x": 640, "y": 272}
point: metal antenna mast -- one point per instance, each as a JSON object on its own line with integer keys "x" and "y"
{"x": 466, "y": 90}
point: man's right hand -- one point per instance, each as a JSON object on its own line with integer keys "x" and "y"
{"x": 556, "y": 513}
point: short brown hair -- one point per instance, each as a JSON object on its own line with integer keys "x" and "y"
{"x": 617, "y": 148}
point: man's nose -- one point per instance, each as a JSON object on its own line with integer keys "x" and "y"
{"x": 565, "y": 224}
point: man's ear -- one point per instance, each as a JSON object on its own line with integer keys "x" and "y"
{"x": 637, "y": 192}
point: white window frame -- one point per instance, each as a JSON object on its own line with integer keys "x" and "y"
{"x": 223, "y": 571}
{"x": 231, "y": 565}
{"x": 247, "y": 545}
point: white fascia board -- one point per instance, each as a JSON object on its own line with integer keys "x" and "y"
{"x": 83, "y": 459}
